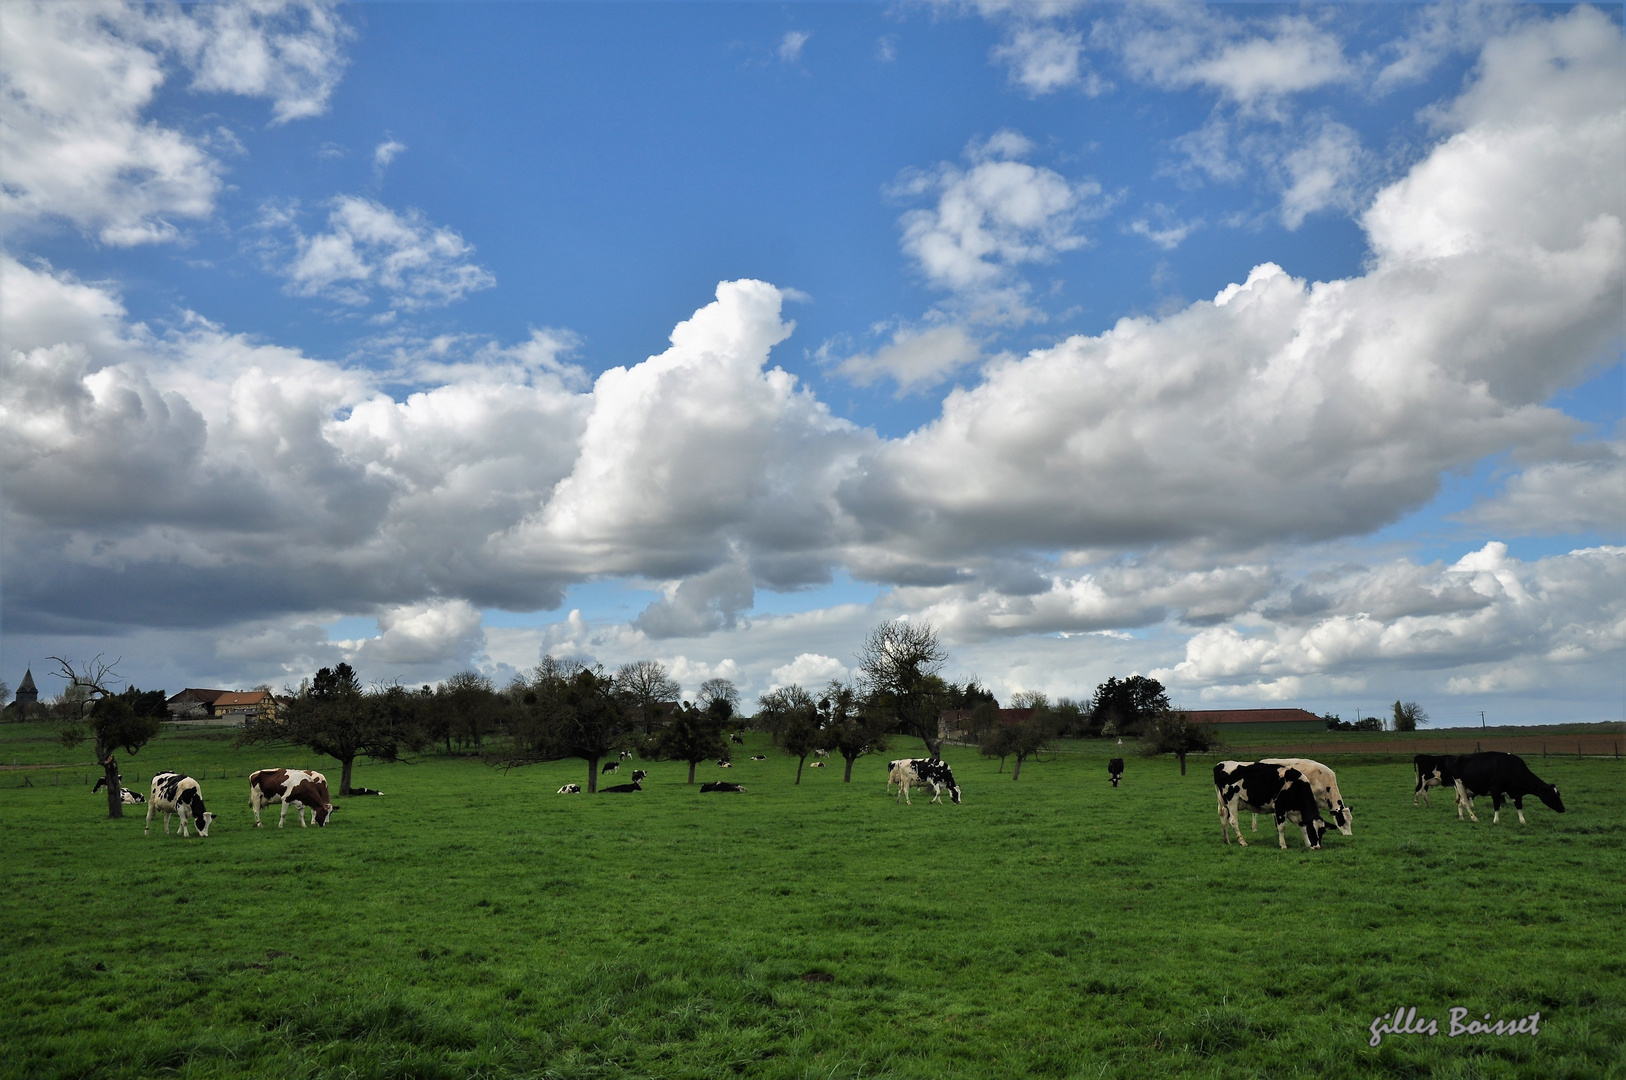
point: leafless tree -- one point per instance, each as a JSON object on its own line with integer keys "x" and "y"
{"x": 645, "y": 685}
{"x": 112, "y": 719}
{"x": 898, "y": 675}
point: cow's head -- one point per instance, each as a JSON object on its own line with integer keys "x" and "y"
{"x": 1550, "y": 797}
{"x": 1315, "y": 829}
{"x": 203, "y": 820}
{"x": 1344, "y": 819}
{"x": 320, "y": 814}
{"x": 954, "y": 794}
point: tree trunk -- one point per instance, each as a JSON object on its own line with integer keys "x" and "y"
{"x": 849, "y": 777}
{"x": 592, "y": 776}
{"x": 692, "y": 764}
{"x": 115, "y": 792}
{"x": 1002, "y": 763}
{"x": 934, "y": 748}
{"x": 1182, "y": 758}
{"x": 1016, "y": 770}
{"x": 799, "y": 767}
{"x": 344, "y": 775}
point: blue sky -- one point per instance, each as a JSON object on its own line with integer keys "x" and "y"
{"x": 342, "y": 318}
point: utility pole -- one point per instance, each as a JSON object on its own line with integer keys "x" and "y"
{"x": 1481, "y": 719}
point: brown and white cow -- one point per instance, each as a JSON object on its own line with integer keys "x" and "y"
{"x": 298, "y": 788}
{"x": 1324, "y": 782}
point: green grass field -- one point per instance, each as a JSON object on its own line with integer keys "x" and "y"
{"x": 474, "y": 924}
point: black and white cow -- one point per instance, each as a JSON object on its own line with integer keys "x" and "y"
{"x": 1324, "y": 782}
{"x": 126, "y": 796}
{"x": 625, "y": 754}
{"x": 1115, "y": 770}
{"x": 734, "y": 738}
{"x": 298, "y": 788}
{"x": 363, "y": 791}
{"x": 720, "y": 785}
{"x": 1502, "y": 776}
{"x": 571, "y": 789}
{"x": 638, "y": 775}
{"x": 179, "y": 794}
{"x": 821, "y": 753}
{"x": 815, "y": 764}
{"x": 925, "y": 772}
{"x": 724, "y": 763}
{"x": 759, "y": 757}
{"x": 1434, "y": 770}
{"x": 610, "y": 766}
{"x": 1277, "y": 789}
{"x": 622, "y": 789}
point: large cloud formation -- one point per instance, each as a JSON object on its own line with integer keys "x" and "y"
{"x": 198, "y": 477}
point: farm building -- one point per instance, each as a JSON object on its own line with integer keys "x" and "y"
{"x": 1285, "y": 720}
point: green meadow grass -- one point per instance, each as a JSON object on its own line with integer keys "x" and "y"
{"x": 474, "y": 924}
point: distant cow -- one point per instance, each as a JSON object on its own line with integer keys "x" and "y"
{"x": 610, "y": 766}
{"x": 926, "y": 772}
{"x": 621, "y": 789}
{"x": 363, "y": 791}
{"x": 719, "y": 785}
{"x": 290, "y": 787}
{"x": 821, "y": 753}
{"x": 1278, "y": 789}
{"x": 178, "y": 794}
{"x": 759, "y": 757}
{"x": 736, "y": 739}
{"x": 1115, "y": 770}
{"x": 571, "y": 789}
{"x": 126, "y": 796}
{"x": 724, "y": 763}
{"x": 1502, "y": 776}
{"x": 1434, "y": 770}
{"x": 1324, "y": 782}
{"x": 816, "y": 765}
{"x": 625, "y": 754}
{"x": 638, "y": 775}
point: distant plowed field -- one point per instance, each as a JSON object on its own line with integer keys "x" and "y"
{"x": 1566, "y": 745}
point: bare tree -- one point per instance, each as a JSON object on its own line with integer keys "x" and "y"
{"x": 646, "y": 685}
{"x": 114, "y": 719}
{"x": 1409, "y": 716}
{"x": 898, "y": 674}
{"x": 715, "y": 690}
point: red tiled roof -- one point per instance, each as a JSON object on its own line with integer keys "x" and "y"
{"x": 229, "y": 698}
{"x": 1251, "y": 716}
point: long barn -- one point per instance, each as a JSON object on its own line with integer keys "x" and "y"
{"x": 1234, "y": 720}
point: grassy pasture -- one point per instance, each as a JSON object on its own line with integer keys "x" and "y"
{"x": 474, "y": 924}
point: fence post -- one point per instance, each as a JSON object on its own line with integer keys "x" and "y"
{"x": 1543, "y": 749}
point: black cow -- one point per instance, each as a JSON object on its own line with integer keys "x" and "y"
{"x": 126, "y": 796}
{"x": 621, "y": 789}
{"x": 1502, "y": 776}
{"x": 736, "y": 739}
{"x": 1115, "y": 770}
{"x": 609, "y": 766}
{"x": 719, "y": 785}
{"x": 1277, "y": 789}
{"x": 364, "y": 791}
{"x": 1433, "y": 770}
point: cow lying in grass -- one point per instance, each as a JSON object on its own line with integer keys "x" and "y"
{"x": 1502, "y": 776}
{"x": 720, "y": 785}
{"x": 1276, "y": 789}
{"x": 571, "y": 789}
{"x": 126, "y": 796}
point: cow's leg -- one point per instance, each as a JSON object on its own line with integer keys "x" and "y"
{"x": 283, "y": 820}
{"x": 1465, "y": 801}
{"x": 152, "y": 805}
{"x": 1496, "y": 807}
{"x": 1281, "y": 831}
{"x": 1518, "y": 804}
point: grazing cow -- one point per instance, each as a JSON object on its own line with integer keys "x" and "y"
{"x": 1278, "y": 789}
{"x": 719, "y": 785}
{"x": 821, "y": 753}
{"x": 290, "y": 787}
{"x": 610, "y": 766}
{"x": 759, "y": 757}
{"x": 736, "y": 739}
{"x": 1115, "y": 770}
{"x": 638, "y": 774}
{"x": 1433, "y": 770}
{"x": 724, "y": 763}
{"x": 571, "y": 789}
{"x": 621, "y": 789}
{"x": 927, "y": 772}
{"x": 126, "y": 796}
{"x": 1324, "y": 782}
{"x": 364, "y": 791}
{"x": 625, "y": 754}
{"x": 1502, "y": 776}
{"x": 178, "y": 794}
